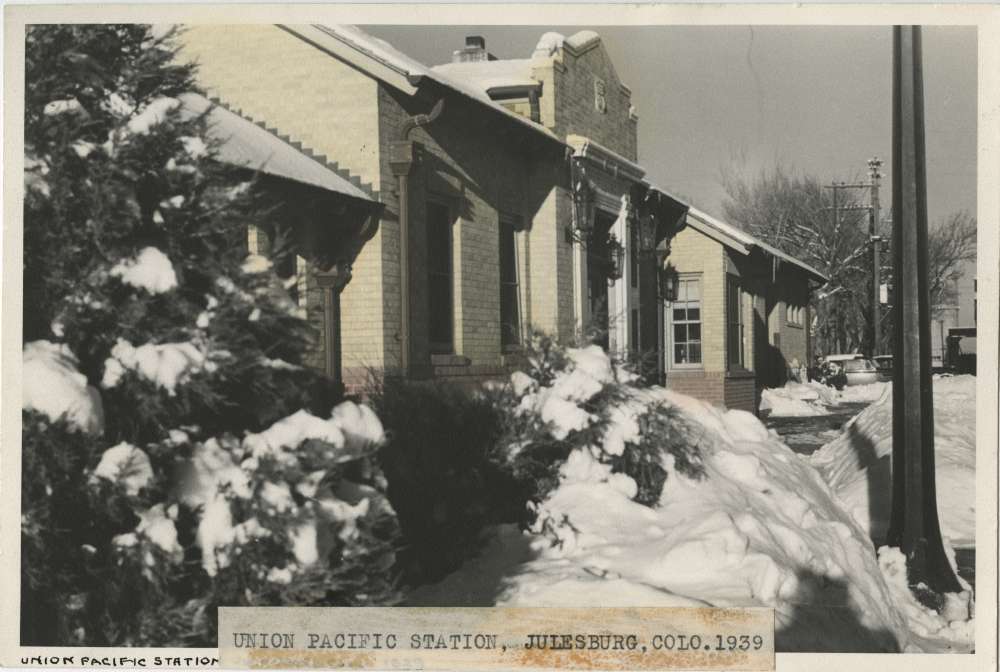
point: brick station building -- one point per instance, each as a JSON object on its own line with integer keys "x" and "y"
{"x": 501, "y": 182}
{"x": 511, "y": 191}
{"x": 740, "y": 321}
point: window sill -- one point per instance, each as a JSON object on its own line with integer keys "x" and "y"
{"x": 449, "y": 360}
{"x": 793, "y": 325}
{"x": 686, "y": 372}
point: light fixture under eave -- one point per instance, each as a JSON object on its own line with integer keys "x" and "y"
{"x": 583, "y": 207}
{"x": 668, "y": 282}
{"x": 616, "y": 258}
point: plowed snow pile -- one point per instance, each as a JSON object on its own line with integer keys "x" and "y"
{"x": 760, "y": 528}
{"x": 813, "y": 398}
{"x": 857, "y": 463}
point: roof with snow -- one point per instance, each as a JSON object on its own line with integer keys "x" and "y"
{"x": 492, "y": 76}
{"x": 384, "y": 62}
{"x": 245, "y": 144}
{"x": 741, "y": 241}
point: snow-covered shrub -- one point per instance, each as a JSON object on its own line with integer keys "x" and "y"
{"x": 460, "y": 460}
{"x": 572, "y": 398}
{"x": 177, "y": 455}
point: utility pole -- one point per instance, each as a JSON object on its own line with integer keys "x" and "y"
{"x": 876, "y": 241}
{"x": 913, "y": 523}
{"x": 873, "y": 239}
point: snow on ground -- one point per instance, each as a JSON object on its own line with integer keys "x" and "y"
{"x": 796, "y": 400}
{"x": 952, "y": 629}
{"x": 762, "y": 528}
{"x": 866, "y": 393}
{"x": 53, "y": 385}
{"x": 813, "y": 398}
{"x": 857, "y": 463}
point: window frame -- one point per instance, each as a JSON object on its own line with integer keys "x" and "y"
{"x": 440, "y": 347}
{"x": 671, "y": 358}
{"x": 512, "y": 223}
{"x": 733, "y": 284}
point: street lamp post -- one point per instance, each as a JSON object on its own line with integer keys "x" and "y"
{"x": 913, "y": 524}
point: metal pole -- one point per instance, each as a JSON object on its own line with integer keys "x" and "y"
{"x": 913, "y": 523}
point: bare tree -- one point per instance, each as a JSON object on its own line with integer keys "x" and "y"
{"x": 950, "y": 245}
{"x": 795, "y": 213}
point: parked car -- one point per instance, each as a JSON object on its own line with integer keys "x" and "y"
{"x": 858, "y": 370}
{"x": 961, "y": 350}
{"x": 884, "y": 365}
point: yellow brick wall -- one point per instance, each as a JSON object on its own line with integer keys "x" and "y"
{"x": 315, "y": 99}
{"x": 476, "y": 163}
{"x": 567, "y": 103}
{"x": 692, "y": 252}
{"x": 794, "y": 290}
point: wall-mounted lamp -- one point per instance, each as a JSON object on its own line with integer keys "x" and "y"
{"x": 647, "y": 236}
{"x": 583, "y": 207}
{"x": 616, "y": 258}
{"x": 668, "y": 282}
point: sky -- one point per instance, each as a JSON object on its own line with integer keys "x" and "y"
{"x": 817, "y": 100}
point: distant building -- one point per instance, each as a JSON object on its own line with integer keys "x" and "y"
{"x": 741, "y": 319}
{"x": 961, "y": 312}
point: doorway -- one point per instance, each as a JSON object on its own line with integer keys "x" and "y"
{"x": 598, "y": 276}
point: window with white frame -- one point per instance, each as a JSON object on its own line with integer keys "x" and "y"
{"x": 685, "y": 317}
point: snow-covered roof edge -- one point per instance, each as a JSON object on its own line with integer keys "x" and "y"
{"x": 248, "y": 145}
{"x": 741, "y": 241}
{"x": 585, "y": 147}
{"x": 393, "y": 67}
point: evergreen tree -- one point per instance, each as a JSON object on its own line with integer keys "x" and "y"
{"x": 158, "y": 492}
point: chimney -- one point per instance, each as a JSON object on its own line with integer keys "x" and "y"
{"x": 474, "y": 50}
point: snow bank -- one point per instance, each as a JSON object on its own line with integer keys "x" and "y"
{"x": 760, "y": 528}
{"x": 150, "y": 270}
{"x": 797, "y": 400}
{"x": 951, "y": 630}
{"x": 53, "y": 385}
{"x": 864, "y": 393}
{"x": 813, "y": 398}
{"x": 857, "y": 463}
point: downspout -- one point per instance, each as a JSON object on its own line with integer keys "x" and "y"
{"x": 401, "y": 159}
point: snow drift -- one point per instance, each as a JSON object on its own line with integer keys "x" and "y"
{"x": 857, "y": 463}
{"x": 813, "y": 398}
{"x": 759, "y": 528}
